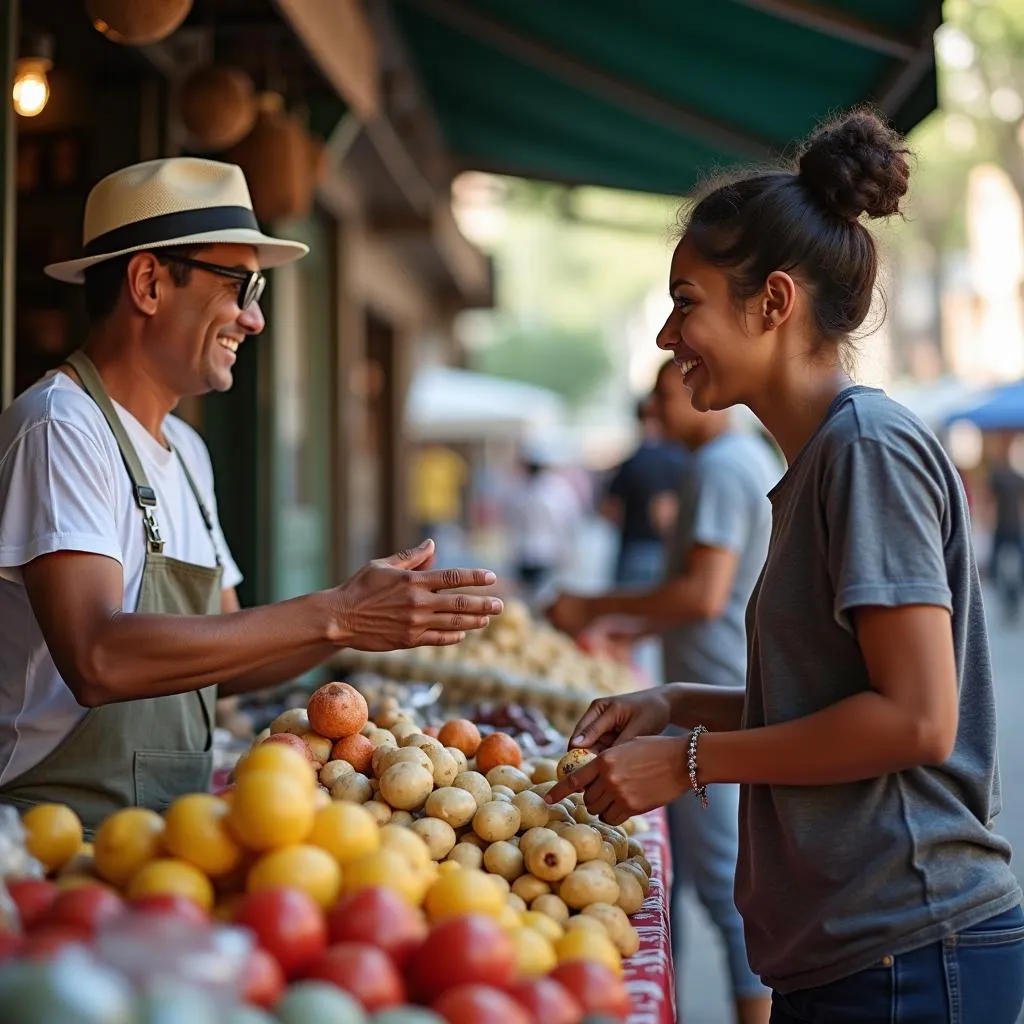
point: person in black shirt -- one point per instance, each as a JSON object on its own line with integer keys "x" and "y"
{"x": 1006, "y": 568}
{"x": 637, "y": 500}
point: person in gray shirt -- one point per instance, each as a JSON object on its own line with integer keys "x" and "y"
{"x": 714, "y": 560}
{"x": 871, "y": 880}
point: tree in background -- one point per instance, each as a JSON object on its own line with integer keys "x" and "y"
{"x": 571, "y": 363}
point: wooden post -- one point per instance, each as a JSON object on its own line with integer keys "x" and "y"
{"x": 8, "y": 199}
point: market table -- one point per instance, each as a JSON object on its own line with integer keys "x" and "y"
{"x": 650, "y": 973}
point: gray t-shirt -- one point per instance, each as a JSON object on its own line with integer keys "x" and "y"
{"x": 723, "y": 503}
{"x": 832, "y": 878}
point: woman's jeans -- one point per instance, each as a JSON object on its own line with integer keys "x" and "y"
{"x": 974, "y": 977}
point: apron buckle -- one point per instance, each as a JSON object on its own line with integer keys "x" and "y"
{"x": 156, "y": 542}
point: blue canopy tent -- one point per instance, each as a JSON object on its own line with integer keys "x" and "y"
{"x": 1002, "y": 409}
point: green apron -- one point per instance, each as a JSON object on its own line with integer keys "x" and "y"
{"x": 142, "y": 752}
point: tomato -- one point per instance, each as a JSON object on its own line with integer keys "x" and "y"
{"x": 262, "y": 979}
{"x": 172, "y": 905}
{"x": 10, "y": 945}
{"x": 286, "y": 923}
{"x": 364, "y": 972}
{"x": 463, "y": 951}
{"x": 480, "y": 1004}
{"x": 85, "y": 907}
{"x": 48, "y": 940}
{"x": 381, "y": 918}
{"x": 33, "y": 897}
{"x": 597, "y": 989}
{"x": 545, "y": 1000}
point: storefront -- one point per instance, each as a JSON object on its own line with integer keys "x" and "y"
{"x": 310, "y": 469}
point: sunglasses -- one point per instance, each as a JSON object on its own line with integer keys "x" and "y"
{"x": 250, "y": 282}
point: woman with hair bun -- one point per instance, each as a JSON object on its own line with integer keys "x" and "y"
{"x": 871, "y": 881}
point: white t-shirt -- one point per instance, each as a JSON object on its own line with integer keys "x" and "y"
{"x": 64, "y": 487}
{"x": 544, "y": 512}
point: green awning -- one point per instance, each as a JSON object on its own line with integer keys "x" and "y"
{"x": 649, "y": 94}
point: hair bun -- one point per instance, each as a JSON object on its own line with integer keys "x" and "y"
{"x": 856, "y": 164}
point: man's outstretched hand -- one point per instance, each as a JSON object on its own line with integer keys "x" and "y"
{"x": 400, "y": 602}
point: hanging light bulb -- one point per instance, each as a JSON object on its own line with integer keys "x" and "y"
{"x": 31, "y": 89}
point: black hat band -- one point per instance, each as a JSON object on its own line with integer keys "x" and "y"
{"x": 169, "y": 226}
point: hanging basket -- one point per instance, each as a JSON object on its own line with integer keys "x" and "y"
{"x": 137, "y": 22}
{"x": 276, "y": 159}
{"x": 217, "y": 106}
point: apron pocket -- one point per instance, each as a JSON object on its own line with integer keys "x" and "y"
{"x": 161, "y": 776}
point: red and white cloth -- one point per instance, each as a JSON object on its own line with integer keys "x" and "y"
{"x": 650, "y": 973}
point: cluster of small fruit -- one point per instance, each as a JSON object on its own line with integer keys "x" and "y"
{"x": 521, "y": 648}
{"x": 432, "y": 869}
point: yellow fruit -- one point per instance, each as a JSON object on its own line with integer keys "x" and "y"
{"x": 509, "y": 919}
{"x": 195, "y": 829}
{"x": 125, "y": 841}
{"x": 406, "y": 843}
{"x": 177, "y": 877}
{"x": 270, "y": 810}
{"x": 384, "y": 868}
{"x": 347, "y": 831}
{"x": 463, "y": 892}
{"x": 448, "y": 866}
{"x": 585, "y": 944}
{"x": 535, "y": 955}
{"x": 54, "y": 834}
{"x": 304, "y": 867}
{"x": 277, "y": 758}
{"x": 547, "y": 926}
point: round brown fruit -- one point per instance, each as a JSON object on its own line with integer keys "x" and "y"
{"x": 462, "y": 734}
{"x": 498, "y": 748}
{"x": 337, "y": 710}
{"x": 356, "y": 749}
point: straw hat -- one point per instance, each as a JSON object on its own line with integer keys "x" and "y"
{"x": 179, "y": 201}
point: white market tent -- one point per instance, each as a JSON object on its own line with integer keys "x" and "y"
{"x": 455, "y": 405}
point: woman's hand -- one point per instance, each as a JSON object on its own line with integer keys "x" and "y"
{"x": 570, "y": 613}
{"x": 630, "y": 778}
{"x": 610, "y": 721}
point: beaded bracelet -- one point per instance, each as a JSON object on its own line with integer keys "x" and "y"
{"x": 701, "y": 792}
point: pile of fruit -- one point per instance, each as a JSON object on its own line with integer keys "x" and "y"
{"x": 375, "y": 864}
{"x": 514, "y": 652}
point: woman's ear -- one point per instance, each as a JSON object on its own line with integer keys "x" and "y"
{"x": 778, "y": 299}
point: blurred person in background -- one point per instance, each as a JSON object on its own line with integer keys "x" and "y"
{"x": 1006, "y": 567}
{"x": 439, "y": 477}
{"x": 543, "y": 516}
{"x": 715, "y": 557}
{"x": 640, "y": 501}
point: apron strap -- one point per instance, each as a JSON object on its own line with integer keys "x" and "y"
{"x": 203, "y": 510}
{"x": 145, "y": 496}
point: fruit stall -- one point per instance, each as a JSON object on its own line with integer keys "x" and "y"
{"x": 372, "y": 856}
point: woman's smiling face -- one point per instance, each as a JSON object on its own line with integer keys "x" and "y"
{"x": 718, "y": 344}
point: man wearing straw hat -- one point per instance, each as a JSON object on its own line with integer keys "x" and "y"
{"x": 115, "y": 578}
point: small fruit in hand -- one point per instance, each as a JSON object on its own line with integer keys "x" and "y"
{"x": 573, "y": 760}
{"x": 337, "y": 710}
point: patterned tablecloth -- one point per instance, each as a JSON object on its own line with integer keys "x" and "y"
{"x": 650, "y": 974}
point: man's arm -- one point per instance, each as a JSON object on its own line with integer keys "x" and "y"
{"x": 276, "y": 672}
{"x": 106, "y": 655}
{"x": 701, "y": 592}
